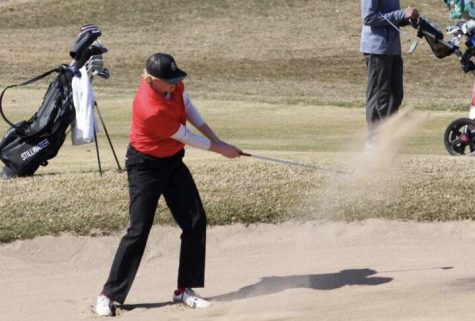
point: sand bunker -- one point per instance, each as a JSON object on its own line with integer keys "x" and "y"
{"x": 371, "y": 270}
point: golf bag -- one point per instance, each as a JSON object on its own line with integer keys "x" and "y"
{"x": 433, "y": 36}
{"x": 459, "y": 137}
{"x": 31, "y": 143}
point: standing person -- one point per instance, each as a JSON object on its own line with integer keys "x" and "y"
{"x": 381, "y": 47}
{"x": 155, "y": 167}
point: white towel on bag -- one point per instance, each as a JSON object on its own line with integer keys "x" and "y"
{"x": 82, "y": 129}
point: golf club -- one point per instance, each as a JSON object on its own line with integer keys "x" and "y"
{"x": 95, "y": 67}
{"x": 84, "y": 46}
{"x": 413, "y": 43}
{"x": 291, "y": 163}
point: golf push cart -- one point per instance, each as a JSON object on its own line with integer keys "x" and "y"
{"x": 31, "y": 143}
{"x": 460, "y": 133}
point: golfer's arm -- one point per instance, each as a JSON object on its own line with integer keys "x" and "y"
{"x": 185, "y": 136}
{"x": 372, "y": 17}
{"x": 209, "y": 133}
{"x": 195, "y": 118}
{"x": 192, "y": 114}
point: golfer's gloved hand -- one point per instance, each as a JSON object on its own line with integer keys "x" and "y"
{"x": 225, "y": 149}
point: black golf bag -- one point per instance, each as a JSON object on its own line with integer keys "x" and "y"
{"x": 434, "y": 37}
{"x": 31, "y": 143}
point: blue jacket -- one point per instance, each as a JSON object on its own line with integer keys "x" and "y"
{"x": 377, "y": 35}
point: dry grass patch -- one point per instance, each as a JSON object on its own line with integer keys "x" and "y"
{"x": 424, "y": 188}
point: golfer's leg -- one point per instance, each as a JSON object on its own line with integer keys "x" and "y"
{"x": 397, "y": 89}
{"x": 378, "y": 91}
{"x": 144, "y": 190}
{"x": 185, "y": 204}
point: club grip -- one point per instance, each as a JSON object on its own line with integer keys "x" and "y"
{"x": 245, "y": 154}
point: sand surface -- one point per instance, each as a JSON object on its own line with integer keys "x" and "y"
{"x": 371, "y": 270}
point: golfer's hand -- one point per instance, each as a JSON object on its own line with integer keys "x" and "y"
{"x": 411, "y": 13}
{"x": 225, "y": 149}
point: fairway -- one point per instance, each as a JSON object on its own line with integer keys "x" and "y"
{"x": 327, "y": 136}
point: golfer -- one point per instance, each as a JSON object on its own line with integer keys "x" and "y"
{"x": 381, "y": 47}
{"x": 155, "y": 167}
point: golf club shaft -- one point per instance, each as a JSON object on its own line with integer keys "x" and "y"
{"x": 289, "y": 162}
{"x": 394, "y": 26}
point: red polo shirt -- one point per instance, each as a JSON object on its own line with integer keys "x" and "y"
{"x": 156, "y": 118}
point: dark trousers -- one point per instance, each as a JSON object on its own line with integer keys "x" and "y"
{"x": 384, "y": 92}
{"x": 149, "y": 178}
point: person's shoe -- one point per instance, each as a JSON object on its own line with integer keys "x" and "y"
{"x": 191, "y": 299}
{"x": 104, "y": 306}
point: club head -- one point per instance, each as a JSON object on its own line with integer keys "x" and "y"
{"x": 103, "y": 73}
{"x": 455, "y": 30}
{"x": 413, "y": 46}
{"x": 95, "y": 62}
{"x": 97, "y": 48}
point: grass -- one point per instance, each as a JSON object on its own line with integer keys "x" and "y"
{"x": 245, "y": 191}
{"x": 69, "y": 194}
{"x": 275, "y": 77}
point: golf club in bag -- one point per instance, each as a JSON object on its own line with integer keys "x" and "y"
{"x": 31, "y": 143}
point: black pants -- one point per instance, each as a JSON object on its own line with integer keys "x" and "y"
{"x": 384, "y": 92}
{"x": 149, "y": 178}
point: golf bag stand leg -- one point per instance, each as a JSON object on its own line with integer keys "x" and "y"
{"x": 108, "y": 137}
{"x": 97, "y": 151}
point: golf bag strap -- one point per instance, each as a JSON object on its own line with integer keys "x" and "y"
{"x": 22, "y": 84}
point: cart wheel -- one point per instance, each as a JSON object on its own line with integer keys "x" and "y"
{"x": 459, "y": 135}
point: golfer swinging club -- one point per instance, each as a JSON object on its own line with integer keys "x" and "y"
{"x": 154, "y": 164}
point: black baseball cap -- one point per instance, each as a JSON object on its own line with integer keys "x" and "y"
{"x": 163, "y": 66}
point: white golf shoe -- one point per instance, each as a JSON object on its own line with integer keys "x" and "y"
{"x": 104, "y": 306}
{"x": 191, "y": 299}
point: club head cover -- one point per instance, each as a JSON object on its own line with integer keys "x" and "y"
{"x": 87, "y": 35}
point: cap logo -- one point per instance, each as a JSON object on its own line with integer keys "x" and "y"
{"x": 173, "y": 66}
